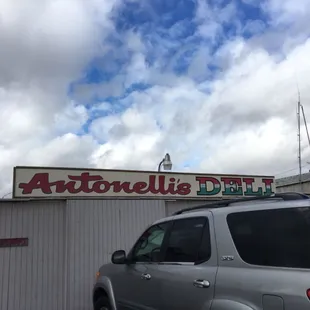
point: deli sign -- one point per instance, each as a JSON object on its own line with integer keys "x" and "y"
{"x": 38, "y": 182}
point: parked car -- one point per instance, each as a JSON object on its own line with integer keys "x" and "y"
{"x": 242, "y": 254}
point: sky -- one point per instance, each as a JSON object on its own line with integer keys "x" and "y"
{"x": 116, "y": 84}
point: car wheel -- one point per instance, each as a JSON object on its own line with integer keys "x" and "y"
{"x": 102, "y": 304}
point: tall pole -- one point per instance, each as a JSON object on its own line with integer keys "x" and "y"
{"x": 299, "y": 140}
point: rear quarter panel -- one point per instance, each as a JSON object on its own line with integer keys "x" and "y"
{"x": 239, "y": 283}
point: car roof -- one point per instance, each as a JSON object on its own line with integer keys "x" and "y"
{"x": 261, "y": 205}
{"x": 240, "y": 207}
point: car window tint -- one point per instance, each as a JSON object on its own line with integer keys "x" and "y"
{"x": 148, "y": 247}
{"x": 204, "y": 252}
{"x": 189, "y": 241}
{"x": 276, "y": 238}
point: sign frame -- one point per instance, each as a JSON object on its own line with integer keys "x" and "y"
{"x": 135, "y": 184}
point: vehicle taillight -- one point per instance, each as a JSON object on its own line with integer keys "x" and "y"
{"x": 308, "y": 293}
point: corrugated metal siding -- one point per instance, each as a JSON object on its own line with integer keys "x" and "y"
{"x": 174, "y": 206}
{"x": 32, "y": 278}
{"x": 5, "y": 232}
{"x": 303, "y": 188}
{"x": 96, "y": 228}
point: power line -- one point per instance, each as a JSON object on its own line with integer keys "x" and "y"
{"x": 305, "y": 121}
{"x": 6, "y": 195}
{"x": 298, "y": 134}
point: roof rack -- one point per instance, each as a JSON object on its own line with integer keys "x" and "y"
{"x": 225, "y": 203}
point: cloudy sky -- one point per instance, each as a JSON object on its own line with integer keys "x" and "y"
{"x": 118, "y": 83}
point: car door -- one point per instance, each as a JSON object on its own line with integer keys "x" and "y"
{"x": 137, "y": 287}
{"x": 189, "y": 267}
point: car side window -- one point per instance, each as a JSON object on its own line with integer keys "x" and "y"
{"x": 273, "y": 238}
{"x": 149, "y": 246}
{"x": 189, "y": 241}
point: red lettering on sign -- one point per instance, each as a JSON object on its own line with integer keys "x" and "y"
{"x": 268, "y": 182}
{"x": 139, "y": 188}
{"x": 86, "y": 183}
{"x": 232, "y": 186}
{"x": 100, "y": 187}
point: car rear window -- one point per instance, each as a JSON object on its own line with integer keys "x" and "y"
{"x": 278, "y": 237}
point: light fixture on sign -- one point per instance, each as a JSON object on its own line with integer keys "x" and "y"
{"x": 166, "y": 163}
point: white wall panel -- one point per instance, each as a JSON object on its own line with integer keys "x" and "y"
{"x": 96, "y": 228}
{"x": 33, "y": 275}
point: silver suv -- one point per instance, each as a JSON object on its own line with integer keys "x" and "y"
{"x": 242, "y": 254}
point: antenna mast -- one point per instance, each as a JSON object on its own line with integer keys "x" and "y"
{"x": 299, "y": 138}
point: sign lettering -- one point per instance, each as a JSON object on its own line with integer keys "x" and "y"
{"x": 78, "y": 184}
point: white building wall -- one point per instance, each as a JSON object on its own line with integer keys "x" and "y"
{"x": 33, "y": 277}
{"x": 68, "y": 242}
{"x": 96, "y": 228}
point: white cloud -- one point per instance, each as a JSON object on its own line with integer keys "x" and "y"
{"x": 67, "y": 150}
{"x": 71, "y": 118}
{"x": 245, "y": 123}
{"x": 211, "y": 18}
{"x": 137, "y": 70}
{"x": 45, "y": 45}
{"x": 253, "y": 149}
{"x": 287, "y": 11}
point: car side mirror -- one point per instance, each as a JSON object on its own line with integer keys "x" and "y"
{"x": 119, "y": 257}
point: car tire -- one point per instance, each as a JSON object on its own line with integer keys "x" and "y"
{"x": 102, "y": 304}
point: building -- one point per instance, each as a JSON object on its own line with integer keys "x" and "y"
{"x": 293, "y": 184}
{"x": 62, "y": 224}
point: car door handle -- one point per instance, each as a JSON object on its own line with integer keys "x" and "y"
{"x": 146, "y": 276}
{"x": 201, "y": 283}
